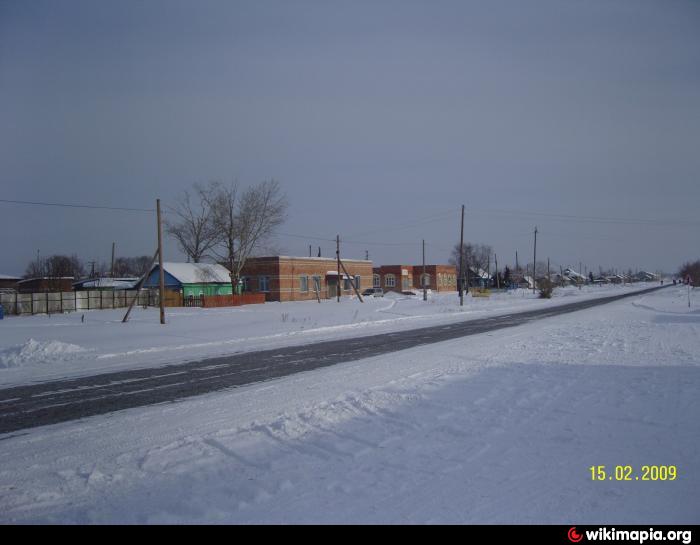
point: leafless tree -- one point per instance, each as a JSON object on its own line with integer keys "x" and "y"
{"x": 245, "y": 221}
{"x": 36, "y": 268}
{"x": 476, "y": 256}
{"x": 191, "y": 222}
{"x": 131, "y": 266}
{"x": 692, "y": 270}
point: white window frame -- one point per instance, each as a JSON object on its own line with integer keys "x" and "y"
{"x": 264, "y": 280}
{"x": 304, "y": 284}
{"x": 390, "y": 280}
{"x": 376, "y": 281}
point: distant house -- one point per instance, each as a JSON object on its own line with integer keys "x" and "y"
{"x": 192, "y": 279}
{"x": 644, "y": 276}
{"x": 105, "y": 284}
{"x": 46, "y": 283}
{"x": 8, "y": 282}
{"x": 575, "y": 277}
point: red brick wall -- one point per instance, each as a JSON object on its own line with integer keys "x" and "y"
{"x": 397, "y": 271}
{"x": 442, "y": 277}
{"x": 284, "y": 276}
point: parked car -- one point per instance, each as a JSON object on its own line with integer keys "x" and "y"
{"x": 375, "y": 292}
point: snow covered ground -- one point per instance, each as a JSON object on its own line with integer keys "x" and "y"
{"x": 41, "y": 348}
{"x": 498, "y": 427}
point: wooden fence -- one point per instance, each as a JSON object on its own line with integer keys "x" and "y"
{"x": 73, "y": 301}
{"x": 209, "y": 301}
{"x": 76, "y": 301}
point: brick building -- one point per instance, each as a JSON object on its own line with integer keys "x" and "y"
{"x": 438, "y": 277}
{"x": 51, "y": 284}
{"x": 408, "y": 277}
{"x": 284, "y": 278}
{"x": 8, "y": 282}
{"x": 394, "y": 277}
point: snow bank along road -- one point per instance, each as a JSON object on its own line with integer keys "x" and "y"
{"x": 59, "y": 401}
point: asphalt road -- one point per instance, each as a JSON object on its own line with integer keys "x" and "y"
{"x": 60, "y": 401}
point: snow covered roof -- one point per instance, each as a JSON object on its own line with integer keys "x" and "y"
{"x": 9, "y": 277}
{"x": 46, "y": 278}
{"x": 116, "y": 283}
{"x": 195, "y": 273}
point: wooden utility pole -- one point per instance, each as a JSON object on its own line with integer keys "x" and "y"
{"x": 425, "y": 289}
{"x": 337, "y": 256}
{"x": 461, "y": 262}
{"x": 498, "y": 280}
{"x": 534, "y": 264}
{"x": 309, "y": 250}
{"x": 161, "y": 275}
{"x": 488, "y": 271}
{"x": 137, "y": 287}
{"x": 517, "y": 266}
{"x": 352, "y": 282}
{"x": 112, "y": 269}
{"x": 549, "y": 273}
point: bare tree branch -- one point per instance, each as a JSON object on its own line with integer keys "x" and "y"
{"x": 191, "y": 224}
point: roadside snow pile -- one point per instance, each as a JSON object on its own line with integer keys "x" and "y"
{"x": 32, "y": 352}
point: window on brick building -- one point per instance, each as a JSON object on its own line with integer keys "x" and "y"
{"x": 264, "y": 283}
{"x": 245, "y": 283}
{"x": 389, "y": 280}
{"x": 304, "y": 284}
{"x": 377, "y": 282}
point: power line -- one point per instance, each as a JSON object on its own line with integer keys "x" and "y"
{"x": 592, "y": 219}
{"x": 71, "y": 205}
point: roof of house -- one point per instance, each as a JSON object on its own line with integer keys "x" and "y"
{"x": 46, "y": 278}
{"x": 197, "y": 273}
{"x": 306, "y": 258}
{"x": 9, "y": 277}
{"x": 120, "y": 283}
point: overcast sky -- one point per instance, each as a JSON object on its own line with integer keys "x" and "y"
{"x": 378, "y": 118}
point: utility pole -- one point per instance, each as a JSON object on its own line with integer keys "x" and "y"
{"x": 112, "y": 269}
{"x": 549, "y": 273}
{"x": 498, "y": 280}
{"x": 488, "y": 271}
{"x": 534, "y": 264}
{"x": 461, "y": 262}
{"x": 366, "y": 255}
{"x": 161, "y": 275}
{"x": 337, "y": 256}
{"x": 425, "y": 289}
{"x": 517, "y": 267}
{"x": 309, "y": 250}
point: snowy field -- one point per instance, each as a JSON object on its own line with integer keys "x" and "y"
{"x": 492, "y": 428}
{"x": 42, "y": 348}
